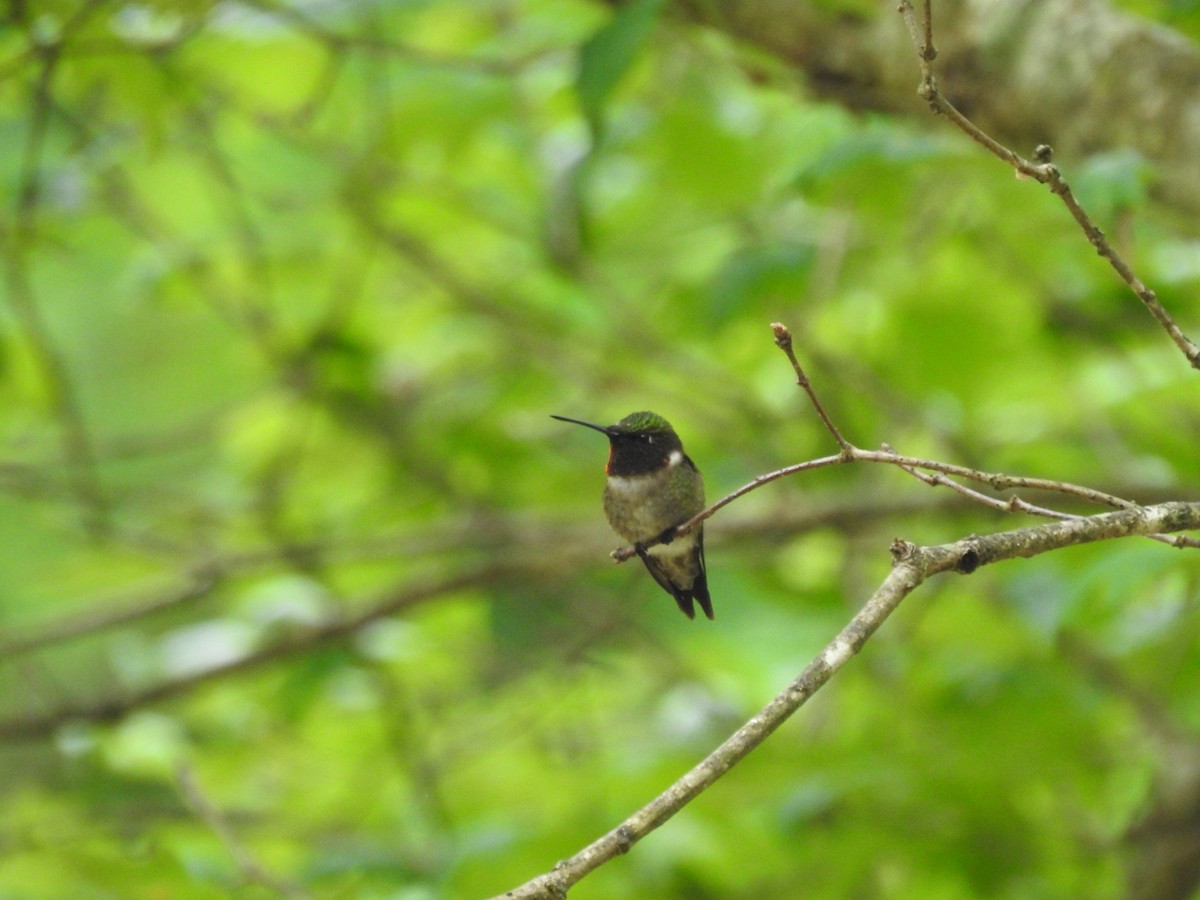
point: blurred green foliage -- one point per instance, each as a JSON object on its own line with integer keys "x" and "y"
{"x": 290, "y": 291}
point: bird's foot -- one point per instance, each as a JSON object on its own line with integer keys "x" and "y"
{"x": 667, "y": 536}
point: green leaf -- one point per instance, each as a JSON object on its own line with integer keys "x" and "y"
{"x": 607, "y": 55}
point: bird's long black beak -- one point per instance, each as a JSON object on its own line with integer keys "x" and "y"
{"x": 591, "y": 425}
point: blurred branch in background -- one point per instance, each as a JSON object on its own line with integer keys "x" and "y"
{"x": 42, "y": 725}
{"x": 76, "y": 442}
{"x": 252, "y": 872}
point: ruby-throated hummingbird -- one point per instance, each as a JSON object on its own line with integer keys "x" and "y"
{"x": 652, "y": 488}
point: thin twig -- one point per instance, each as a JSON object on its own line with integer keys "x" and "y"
{"x": 1017, "y": 504}
{"x": 1012, "y": 504}
{"x": 1044, "y": 172}
{"x": 913, "y": 465}
{"x": 995, "y": 480}
{"x": 623, "y": 553}
{"x": 783, "y": 340}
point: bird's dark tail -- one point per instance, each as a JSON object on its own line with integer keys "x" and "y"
{"x": 684, "y": 599}
{"x": 700, "y": 585}
{"x": 700, "y": 592}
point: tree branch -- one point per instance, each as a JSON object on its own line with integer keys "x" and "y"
{"x": 912, "y": 565}
{"x": 911, "y": 464}
{"x": 1043, "y": 171}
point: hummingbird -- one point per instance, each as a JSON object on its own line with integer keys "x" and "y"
{"x": 652, "y": 488}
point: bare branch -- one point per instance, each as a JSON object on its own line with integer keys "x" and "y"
{"x": 911, "y": 464}
{"x": 912, "y": 565}
{"x": 1016, "y": 504}
{"x": 783, "y": 340}
{"x": 1044, "y": 172}
{"x": 623, "y": 553}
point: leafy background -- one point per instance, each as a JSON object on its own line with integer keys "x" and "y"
{"x": 290, "y": 291}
